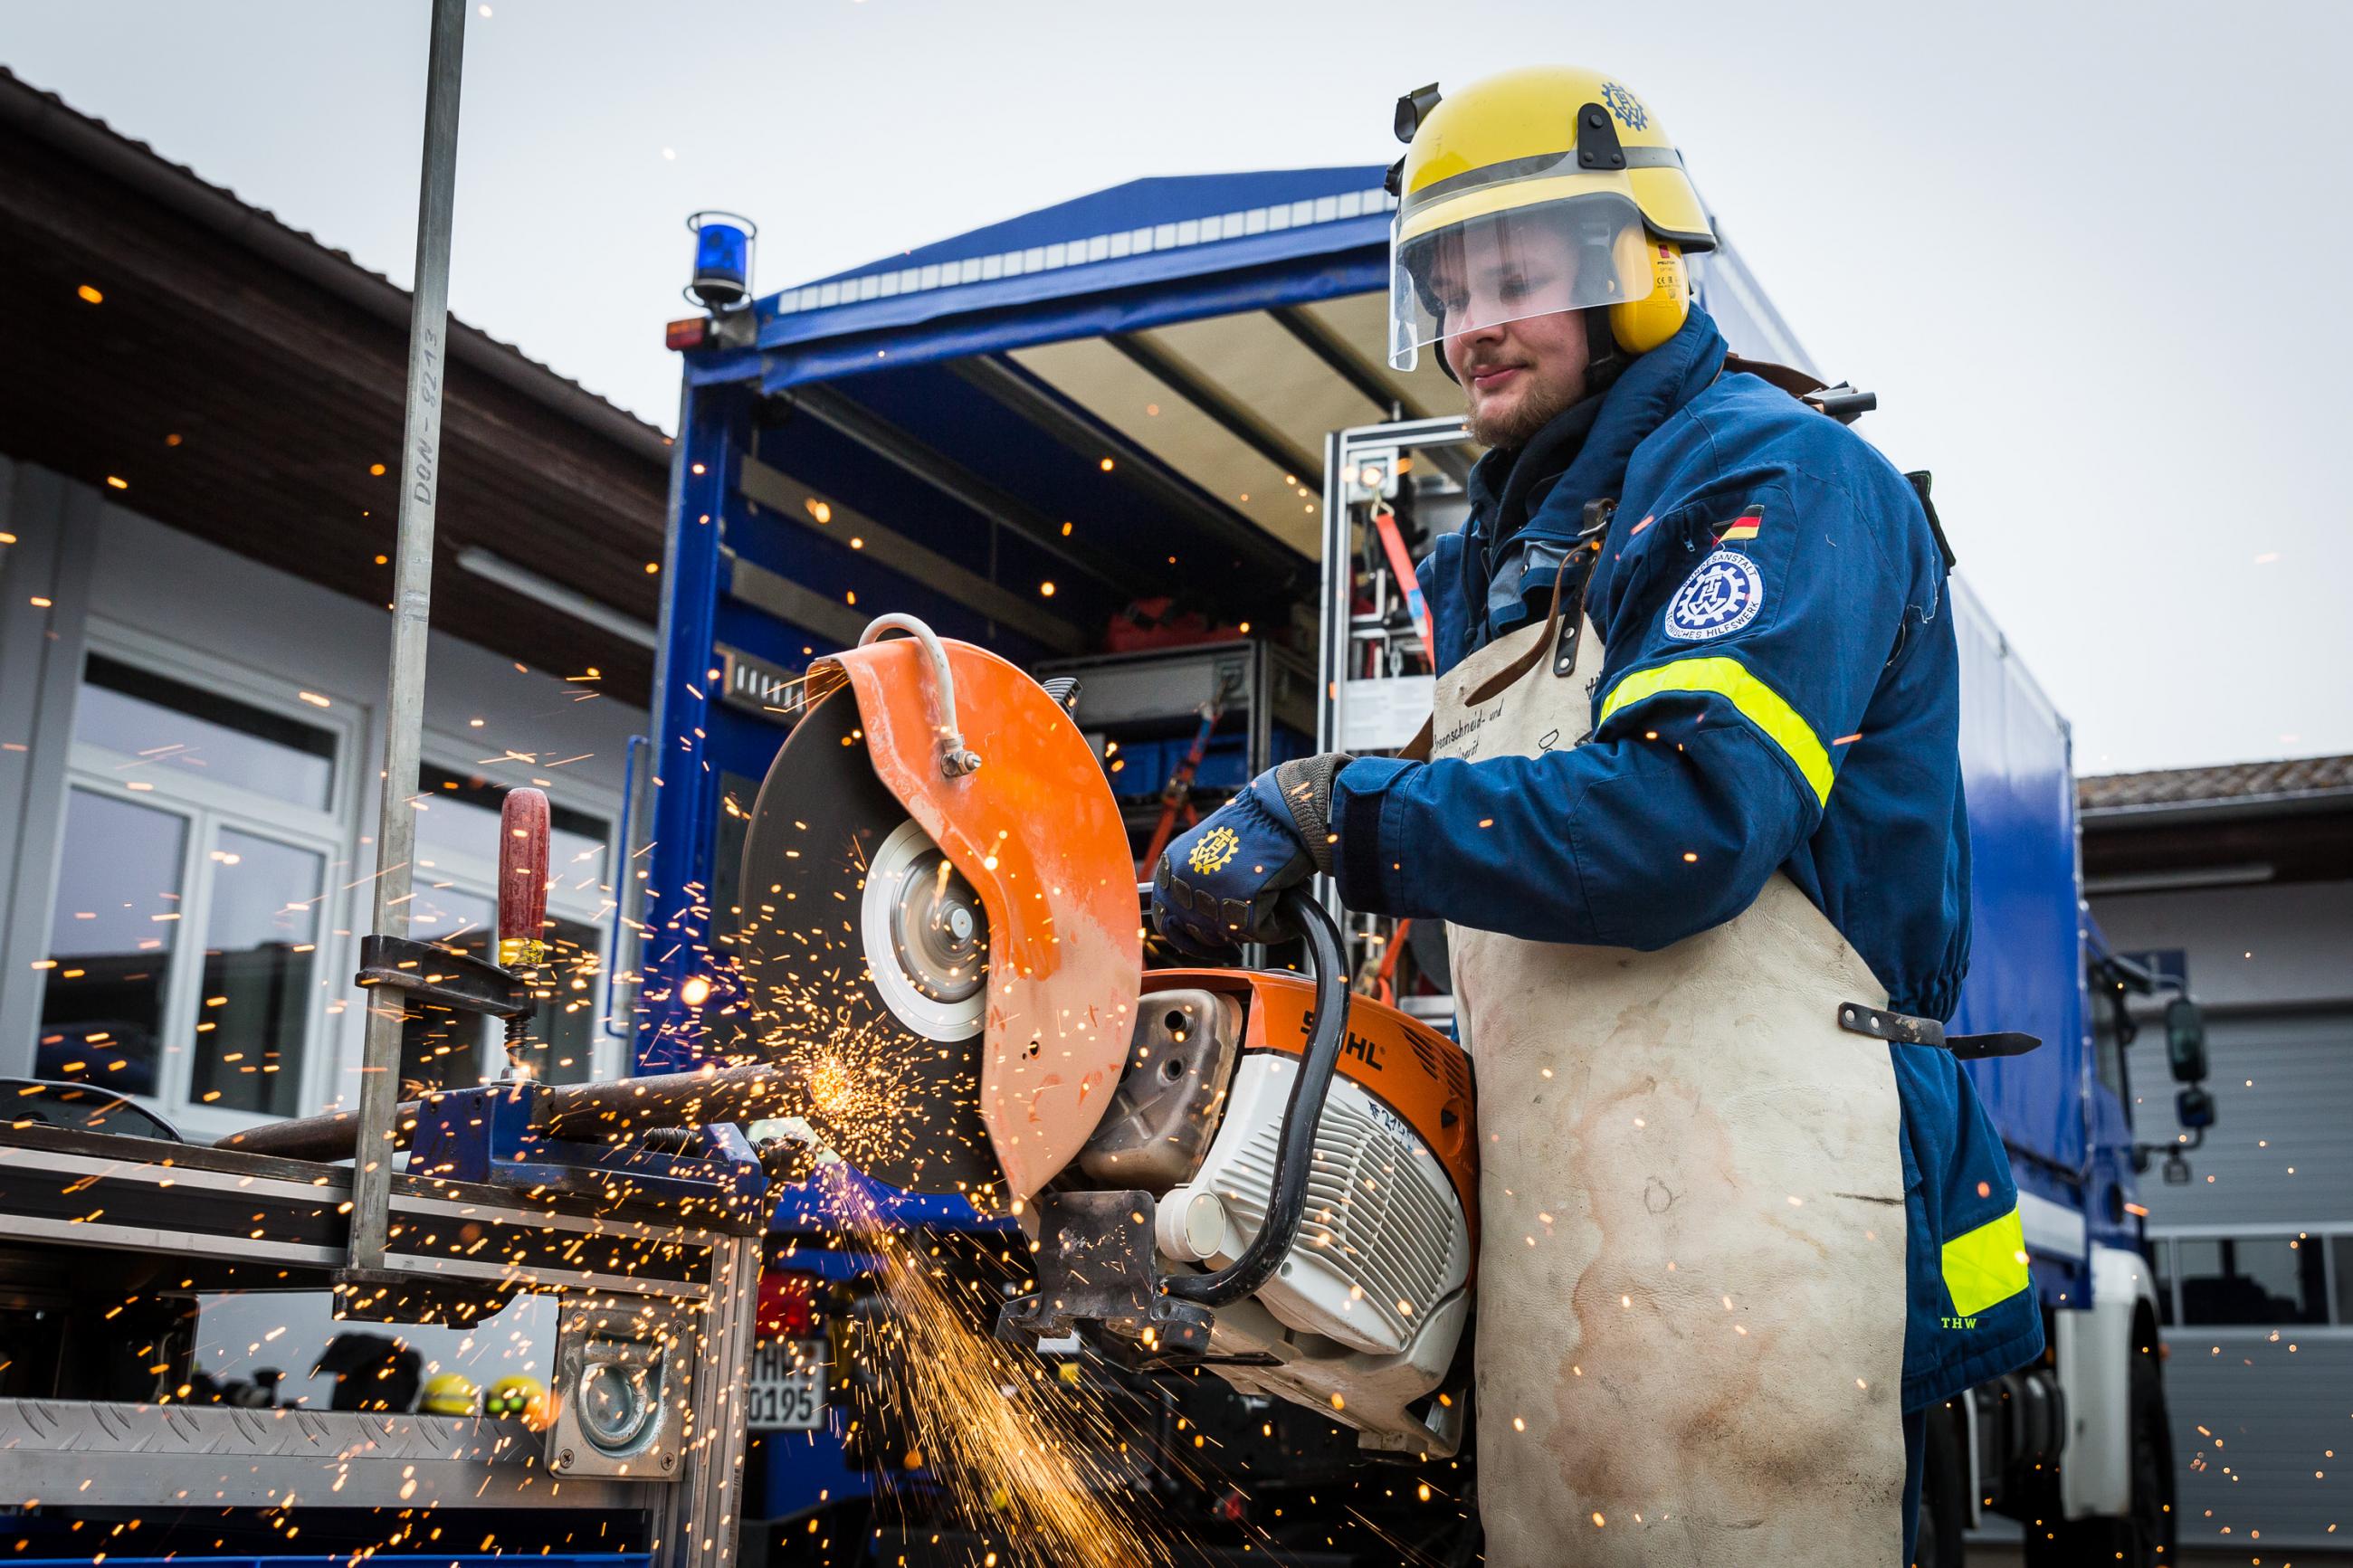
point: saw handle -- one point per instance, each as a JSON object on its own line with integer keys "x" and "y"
{"x": 1302, "y": 1116}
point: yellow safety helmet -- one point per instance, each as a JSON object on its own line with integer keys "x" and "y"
{"x": 450, "y": 1394}
{"x": 1546, "y": 189}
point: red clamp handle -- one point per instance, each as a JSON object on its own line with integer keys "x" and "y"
{"x": 522, "y": 878}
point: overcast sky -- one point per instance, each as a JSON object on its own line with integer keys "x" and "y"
{"x": 2093, "y": 259}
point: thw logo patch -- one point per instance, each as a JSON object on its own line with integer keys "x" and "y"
{"x": 1719, "y": 598}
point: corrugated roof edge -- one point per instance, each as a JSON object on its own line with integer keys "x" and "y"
{"x": 936, "y": 269}
{"x": 46, "y": 118}
{"x": 1123, "y": 207}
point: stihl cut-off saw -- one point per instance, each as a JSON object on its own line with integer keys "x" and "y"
{"x": 1248, "y": 1171}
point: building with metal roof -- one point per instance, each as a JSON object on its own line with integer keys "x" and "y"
{"x": 2236, "y": 882}
{"x": 199, "y": 473}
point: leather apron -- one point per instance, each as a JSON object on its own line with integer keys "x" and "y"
{"x": 1692, "y": 1274}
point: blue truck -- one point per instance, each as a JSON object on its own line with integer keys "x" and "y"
{"x": 1148, "y": 437}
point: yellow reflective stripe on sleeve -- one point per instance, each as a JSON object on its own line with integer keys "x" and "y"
{"x": 1985, "y": 1266}
{"x": 1758, "y": 703}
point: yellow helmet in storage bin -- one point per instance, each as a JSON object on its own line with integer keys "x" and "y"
{"x": 1546, "y": 189}
{"x": 450, "y": 1394}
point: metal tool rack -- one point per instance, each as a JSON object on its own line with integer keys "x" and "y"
{"x": 1376, "y": 683}
{"x": 664, "y": 1260}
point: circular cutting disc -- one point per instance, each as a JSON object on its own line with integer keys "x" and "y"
{"x": 926, "y": 936}
{"x": 865, "y": 957}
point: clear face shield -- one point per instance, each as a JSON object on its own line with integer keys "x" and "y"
{"x": 1497, "y": 267}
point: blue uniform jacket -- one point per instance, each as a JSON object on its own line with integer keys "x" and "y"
{"x": 1781, "y": 691}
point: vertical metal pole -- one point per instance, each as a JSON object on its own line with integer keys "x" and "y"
{"x": 714, "y": 433}
{"x": 412, "y": 594}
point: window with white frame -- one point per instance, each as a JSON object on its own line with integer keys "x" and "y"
{"x": 205, "y": 821}
{"x": 456, "y": 906}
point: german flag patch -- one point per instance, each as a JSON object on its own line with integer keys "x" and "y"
{"x": 1744, "y": 526}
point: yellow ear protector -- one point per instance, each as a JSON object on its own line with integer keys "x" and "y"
{"x": 1642, "y": 325}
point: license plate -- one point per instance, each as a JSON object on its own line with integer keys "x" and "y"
{"x": 787, "y": 1387}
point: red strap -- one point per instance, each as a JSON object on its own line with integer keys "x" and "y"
{"x": 1401, "y": 568}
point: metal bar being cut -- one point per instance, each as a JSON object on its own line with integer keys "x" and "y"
{"x": 412, "y": 596}
{"x": 610, "y": 1110}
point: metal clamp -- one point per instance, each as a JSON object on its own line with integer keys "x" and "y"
{"x": 956, "y": 759}
{"x": 1568, "y": 600}
{"x": 439, "y": 978}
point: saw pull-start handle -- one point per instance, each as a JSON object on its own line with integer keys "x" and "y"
{"x": 956, "y": 759}
{"x": 1302, "y": 1114}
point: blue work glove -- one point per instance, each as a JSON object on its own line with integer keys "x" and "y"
{"x": 1218, "y": 883}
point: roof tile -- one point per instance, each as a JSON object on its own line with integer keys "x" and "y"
{"x": 2235, "y": 781}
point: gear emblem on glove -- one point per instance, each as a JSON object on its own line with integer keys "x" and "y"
{"x": 1214, "y": 850}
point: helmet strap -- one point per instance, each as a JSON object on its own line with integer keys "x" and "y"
{"x": 1605, "y": 360}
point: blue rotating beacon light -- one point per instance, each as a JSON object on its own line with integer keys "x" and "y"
{"x": 723, "y": 260}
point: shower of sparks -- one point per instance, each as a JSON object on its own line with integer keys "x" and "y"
{"x": 1022, "y": 1450}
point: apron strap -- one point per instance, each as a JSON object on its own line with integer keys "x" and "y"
{"x": 1842, "y": 403}
{"x": 1564, "y": 626}
{"x": 1565, "y": 621}
{"x": 1904, "y": 1029}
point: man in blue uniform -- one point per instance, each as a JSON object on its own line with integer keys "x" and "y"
{"x": 1778, "y": 699}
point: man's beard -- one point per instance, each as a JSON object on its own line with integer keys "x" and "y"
{"x": 1513, "y": 428}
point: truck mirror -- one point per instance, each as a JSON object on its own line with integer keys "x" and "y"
{"x": 2195, "y": 1108}
{"x": 2185, "y": 1040}
{"x": 2176, "y": 1169}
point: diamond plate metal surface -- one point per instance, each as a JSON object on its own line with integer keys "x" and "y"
{"x": 70, "y": 1452}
